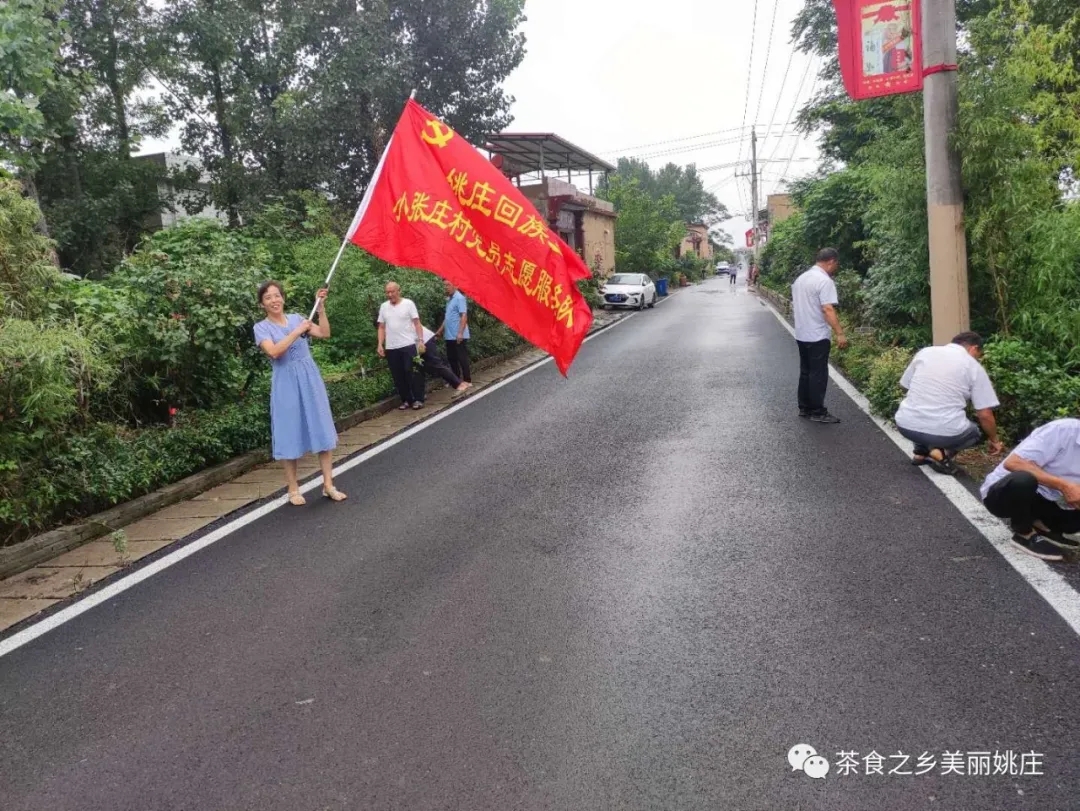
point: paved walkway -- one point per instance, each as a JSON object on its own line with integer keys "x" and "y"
{"x": 35, "y": 590}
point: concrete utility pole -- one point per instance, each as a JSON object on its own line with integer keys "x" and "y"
{"x": 754, "y": 194}
{"x": 949, "y": 301}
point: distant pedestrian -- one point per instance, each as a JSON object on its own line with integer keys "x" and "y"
{"x": 733, "y": 273}
{"x": 401, "y": 338}
{"x": 455, "y": 327}
{"x": 436, "y": 365}
{"x": 1037, "y": 488}
{"x": 300, "y": 418}
{"x": 940, "y": 381}
{"x": 813, "y": 302}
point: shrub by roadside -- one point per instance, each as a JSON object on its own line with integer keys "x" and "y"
{"x": 1030, "y": 381}
{"x": 83, "y": 472}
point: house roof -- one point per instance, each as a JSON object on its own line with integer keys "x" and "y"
{"x": 525, "y": 152}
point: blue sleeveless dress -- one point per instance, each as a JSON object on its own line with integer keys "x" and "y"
{"x": 300, "y": 418}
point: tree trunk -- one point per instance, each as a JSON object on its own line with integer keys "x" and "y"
{"x": 118, "y": 99}
{"x": 232, "y": 199}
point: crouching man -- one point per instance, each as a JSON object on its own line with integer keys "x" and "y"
{"x": 435, "y": 365}
{"x": 940, "y": 381}
{"x": 1038, "y": 489}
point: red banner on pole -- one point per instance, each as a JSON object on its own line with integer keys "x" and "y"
{"x": 437, "y": 204}
{"x": 750, "y": 238}
{"x": 880, "y": 46}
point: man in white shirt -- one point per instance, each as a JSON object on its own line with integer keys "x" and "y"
{"x": 1037, "y": 488}
{"x": 940, "y": 381}
{"x": 401, "y": 338}
{"x": 813, "y": 303}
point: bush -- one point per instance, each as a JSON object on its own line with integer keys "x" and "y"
{"x": 1032, "y": 385}
{"x": 47, "y": 377}
{"x": 857, "y": 361}
{"x": 883, "y": 388}
{"x": 77, "y": 473}
{"x": 190, "y": 299}
{"x": 26, "y": 269}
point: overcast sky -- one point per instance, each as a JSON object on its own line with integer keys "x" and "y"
{"x": 670, "y": 77}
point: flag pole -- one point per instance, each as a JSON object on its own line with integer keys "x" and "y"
{"x": 357, "y": 217}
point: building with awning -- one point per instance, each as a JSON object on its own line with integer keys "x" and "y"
{"x": 553, "y": 173}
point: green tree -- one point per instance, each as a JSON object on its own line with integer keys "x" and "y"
{"x": 300, "y": 95}
{"x": 682, "y": 183}
{"x": 648, "y": 230}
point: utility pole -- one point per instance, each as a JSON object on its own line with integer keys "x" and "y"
{"x": 949, "y": 300}
{"x": 754, "y": 195}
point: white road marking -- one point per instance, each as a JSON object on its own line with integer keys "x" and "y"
{"x": 72, "y": 611}
{"x": 1050, "y": 585}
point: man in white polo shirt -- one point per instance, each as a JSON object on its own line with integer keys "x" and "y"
{"x": 940, "y": 381}
{"x": 813, "y": 302}
{"x": 1037, "y": 488}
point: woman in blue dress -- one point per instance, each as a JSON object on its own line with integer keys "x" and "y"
{"x": 300, "y": 419}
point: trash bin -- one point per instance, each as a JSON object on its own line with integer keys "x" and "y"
{"x": 661, "y": 287}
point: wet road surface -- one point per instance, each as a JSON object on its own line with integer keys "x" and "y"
{"x": 637, "y": 588}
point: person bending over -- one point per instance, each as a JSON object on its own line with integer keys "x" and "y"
{"x": 1037, "y": 488}
{"x": 940, "y": 382}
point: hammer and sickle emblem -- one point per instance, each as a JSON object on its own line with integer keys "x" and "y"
{"x": 437, "y": 133}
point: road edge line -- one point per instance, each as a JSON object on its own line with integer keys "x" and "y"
{"x": 114, "y": 589}
{"x": 1050, "y": 585}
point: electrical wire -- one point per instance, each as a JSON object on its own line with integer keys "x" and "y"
{"x": 749, "y": 74}
{"x": 768, "y": 53}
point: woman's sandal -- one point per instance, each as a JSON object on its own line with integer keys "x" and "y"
{"x": 334, "y": 494}
{"x": 296, "y": 499}
{"x": 403, "y": 407}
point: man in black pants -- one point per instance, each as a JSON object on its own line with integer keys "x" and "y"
{"x": 1038, "y": 489}
{"x": 734, "y": 274}
{"x": 435, "y": 364}
{"x": 455, "y": 327}
{"x": 813, "y": 299}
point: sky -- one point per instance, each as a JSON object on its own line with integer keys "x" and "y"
{"x": 675, "y": 80}
{"x": 636, "y": 78}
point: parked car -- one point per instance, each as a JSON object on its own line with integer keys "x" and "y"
{"x": 628, "y": 290}
{"x": 723, "y": 268}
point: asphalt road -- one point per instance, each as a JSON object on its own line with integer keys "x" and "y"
{"x": 637, "y": 588}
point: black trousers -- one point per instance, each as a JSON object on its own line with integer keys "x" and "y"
{"x": 733, "y": 278}
{"x": 813, "y": 375}
{"x": 458, "y": 355}
{"x": 408, "y": 380}
{"x": 435, "y": 364}
{"x": 1017, "y": 498}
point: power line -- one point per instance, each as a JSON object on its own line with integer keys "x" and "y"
{"x": 670, "y": 141}
{"x": 768, "y": 53}
{"x": 783, "y": 84}
{"x": 792, "y": 113}
{"x": 709, "y": 145}
{"x": 637, "y": 152}
{"x": 787, "y": 168}
{"x": 749, "y": 74}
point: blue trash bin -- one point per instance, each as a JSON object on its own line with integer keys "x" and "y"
{"x": 661, "y": 287}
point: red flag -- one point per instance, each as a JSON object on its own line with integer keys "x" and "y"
{"x": 880, "y": 46}
{"x": 437, "y": 204}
